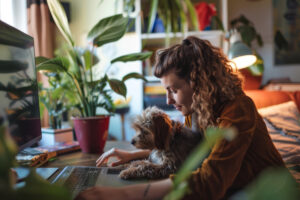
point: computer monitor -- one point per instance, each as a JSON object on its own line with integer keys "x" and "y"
{"x": 19, "y": 103}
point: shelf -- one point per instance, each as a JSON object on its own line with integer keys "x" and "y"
{"x": 158, "y": 39}
{"x": 152, "y": 79}
{"x": 181, "y": 35}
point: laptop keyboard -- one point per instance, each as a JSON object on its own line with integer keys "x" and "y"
{"x": 82, "y": 178}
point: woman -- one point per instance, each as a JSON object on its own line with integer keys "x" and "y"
{"x": 201, "y": 84}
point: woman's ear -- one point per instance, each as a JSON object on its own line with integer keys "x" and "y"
{"x": 162, "y": 127}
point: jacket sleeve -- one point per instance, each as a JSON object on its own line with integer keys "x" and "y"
{"x": 219, "y": 170}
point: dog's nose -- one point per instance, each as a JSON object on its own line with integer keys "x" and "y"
{"x": 133, "y": 142}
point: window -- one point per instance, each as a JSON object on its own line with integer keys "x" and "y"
{"x": 13, "y": 12}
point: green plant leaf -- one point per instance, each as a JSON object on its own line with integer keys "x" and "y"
{"x": 244, "y": 20}
{"x": 59, "y": 64}
{"x": 280, "y": 41}
{"x": 275, "y": 184}
{"x": 219, "y": 23}
{"x": 259, "y": 40}
{"x": 257, "y": 69}
{"x": 193, "y": 15}
{"x": 40, "y": 59}
{"x": 60, "y": 19}
{"x": 132, "y": 57}
{"x": 109, "y": 29}
{"x": 152, "y": 15}
{"x": 8, "y": 151}
{"x": 107, "y": 101}
{"x": 248, "y": 34}
{"x": 134, "y": 75}
{"x": 213, "y": 135}
{"x": 87, "y": 56}
{"x": 89, "y": 59}
{"x": 118, "y": 87}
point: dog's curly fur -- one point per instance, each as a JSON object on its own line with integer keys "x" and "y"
{"x": 169, "y": 141}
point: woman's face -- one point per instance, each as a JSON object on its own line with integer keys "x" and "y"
{"x": 179, "y": 93}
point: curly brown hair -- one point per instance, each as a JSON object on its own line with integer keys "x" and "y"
{"x": 208, "y": 71}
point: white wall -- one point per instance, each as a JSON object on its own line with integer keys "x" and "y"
{"x": 260, "y": 13}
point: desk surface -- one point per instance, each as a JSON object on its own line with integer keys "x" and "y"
{"x": 83, "y": 159}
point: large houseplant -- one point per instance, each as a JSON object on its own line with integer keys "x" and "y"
{"x": 92, "y": 92}
{"x": 249, "y": 35}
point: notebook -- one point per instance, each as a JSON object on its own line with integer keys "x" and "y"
{"x": 78, "y": 178}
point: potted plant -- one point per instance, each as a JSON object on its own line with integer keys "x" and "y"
{"x": 91, "y": 92}
{"x": 57, "y": 99}
{"x": 249, "y": 34}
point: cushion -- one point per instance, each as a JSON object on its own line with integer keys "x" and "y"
{"x": 284, "y": 117}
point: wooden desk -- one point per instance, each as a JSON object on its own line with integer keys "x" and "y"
{"x": 83, "y": 159}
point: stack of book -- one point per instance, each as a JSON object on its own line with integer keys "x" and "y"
{"x": 37, "y": 156}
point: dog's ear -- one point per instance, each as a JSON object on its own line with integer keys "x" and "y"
{"x": 162, "y": 131}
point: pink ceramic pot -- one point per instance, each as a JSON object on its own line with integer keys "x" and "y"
{"x": 91, "y": 132}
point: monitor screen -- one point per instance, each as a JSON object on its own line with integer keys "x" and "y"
{"x": 19, "y": 103}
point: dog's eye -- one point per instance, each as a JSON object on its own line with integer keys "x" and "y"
{"x": 145, "y": 132}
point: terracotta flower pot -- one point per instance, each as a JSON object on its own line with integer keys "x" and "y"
{"x": 91, "y": 133}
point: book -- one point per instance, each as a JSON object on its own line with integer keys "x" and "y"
{"x": 37, "y": 156}
{"x": 32, "y": 160}
{"x": 60, "y": 148}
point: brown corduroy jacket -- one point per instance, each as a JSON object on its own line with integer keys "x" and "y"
{"x": 232, "y": 165}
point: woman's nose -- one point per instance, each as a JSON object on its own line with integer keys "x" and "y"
{"x": 170, "y": 99}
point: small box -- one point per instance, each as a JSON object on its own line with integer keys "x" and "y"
{"x": 53, "y": 136}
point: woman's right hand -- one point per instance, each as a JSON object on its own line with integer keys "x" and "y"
{"x": 122, "y": 155}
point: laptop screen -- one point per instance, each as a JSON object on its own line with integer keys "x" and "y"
{"x": 18, "y": 86}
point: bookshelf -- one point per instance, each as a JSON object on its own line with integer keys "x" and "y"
{"x": 153, "y": 92}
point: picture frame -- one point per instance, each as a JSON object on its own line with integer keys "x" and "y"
{"x": 286, "y": 28}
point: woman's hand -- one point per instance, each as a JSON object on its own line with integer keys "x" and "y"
{"x": 153, "y": 190}
{"x": 122, "y": 155}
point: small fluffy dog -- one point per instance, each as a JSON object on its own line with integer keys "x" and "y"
{"x": 169, "y": 141}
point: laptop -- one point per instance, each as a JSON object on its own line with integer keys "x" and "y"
{"x": 79, "y": 178}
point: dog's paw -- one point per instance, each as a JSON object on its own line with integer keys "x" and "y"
{"x": 126, "y": 174}
{"x": 135, "y": 163}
